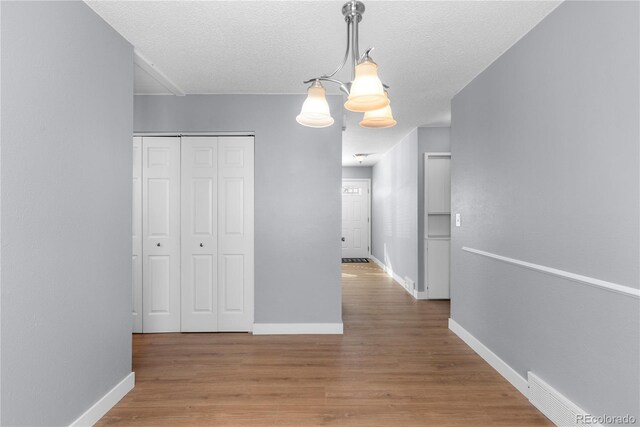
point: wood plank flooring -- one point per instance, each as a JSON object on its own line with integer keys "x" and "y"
{"x": 397, "y": 364}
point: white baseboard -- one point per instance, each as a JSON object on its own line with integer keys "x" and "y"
{"x": 420, "y": 294}
{"x": 378, "y": 262}
{"x": 413, "y": 292}
{"x": 298, "y": 329}
{"x": 108, "y": 401}
{"x": 491, "y": 358}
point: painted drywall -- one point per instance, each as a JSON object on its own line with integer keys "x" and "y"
{"x": 297, "y": 197}
{"x": 67, "y": 109}
{"x": 430, "y": 140}
{"x": 357, "y": 172}
{"x": 546, "y": 167}
{"x": 394, "y": 210}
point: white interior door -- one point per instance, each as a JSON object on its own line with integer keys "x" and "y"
{"x": 235, "y": 233}
{"x": 136, "y": 236}
{"x": 199, "y": 205}
{"x": 161, "y": 234}
{"x": 355, "y": 219}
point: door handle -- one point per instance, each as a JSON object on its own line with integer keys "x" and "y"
{"x": 342, "y": 239}
{"x": 202, "y": 245}
{"x": 158, "y": 245}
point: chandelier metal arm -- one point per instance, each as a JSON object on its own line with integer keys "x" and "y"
{"x": 346, "y": 52}
{"x": 354, "y": 47}
{"x": 343, "y": 86}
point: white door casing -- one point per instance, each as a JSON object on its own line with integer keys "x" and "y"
{"x": 199, "y": 205}
{"x": 355, "y": 218}
{"x": 136, "y": 237}
{"x": 161, "y": 234}
{"x": 235, "y": 233}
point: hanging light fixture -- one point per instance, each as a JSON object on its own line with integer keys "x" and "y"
{"x": 365, "y": 93}
{"x": 360, "y": 157}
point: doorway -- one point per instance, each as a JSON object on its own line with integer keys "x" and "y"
{"x": 356, "y": 218}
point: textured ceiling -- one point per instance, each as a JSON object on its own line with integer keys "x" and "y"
{"x": 426, "y": 50}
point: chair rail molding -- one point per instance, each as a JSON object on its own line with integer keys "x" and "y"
{"x": 597, "y": 283}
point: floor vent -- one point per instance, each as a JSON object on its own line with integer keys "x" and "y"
{"x": 560, "y": 410}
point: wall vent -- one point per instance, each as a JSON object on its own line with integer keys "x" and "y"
{"x": 560, "y": 410}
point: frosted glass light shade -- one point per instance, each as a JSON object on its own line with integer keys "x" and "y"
{"x": 315, "y": 109}
{"x": 367, "y": 92}
{"x": 382, "y": 118}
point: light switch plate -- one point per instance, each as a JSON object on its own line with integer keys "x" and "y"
{"x": 457, "y": 220}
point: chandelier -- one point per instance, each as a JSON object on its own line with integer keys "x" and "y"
{"x": 365, "y": 93}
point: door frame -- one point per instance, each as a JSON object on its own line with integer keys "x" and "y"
{"x": 368, "y": 180}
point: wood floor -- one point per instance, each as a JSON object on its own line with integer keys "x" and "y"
{"x": 397, "y": 364}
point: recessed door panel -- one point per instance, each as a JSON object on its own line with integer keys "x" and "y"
{"x": 203, "y": 203}
{"x": 158, "y": 157}
{"x": 161, "y": 234}
{"x": 233, "y": 283}
{"x": 203, "y": 283}
{"x": 357, "y": 238}
{"x": 233, "y": 202}
{"x": 232, "y": 157}
{"x": 199, "y": 234}
{"x": 158, "y": 207}
{"x": 159, "y": 272}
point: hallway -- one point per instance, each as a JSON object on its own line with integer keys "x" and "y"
{"x": 397, "y": 364}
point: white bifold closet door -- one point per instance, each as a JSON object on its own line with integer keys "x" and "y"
{"x": 199, "y": 234}
{"x": 235, "y": 233}
{"x": 161, "y": 234}
{"x": 193, "y": 234}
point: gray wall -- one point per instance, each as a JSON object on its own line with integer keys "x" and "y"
{"x": 546, "y": 170}
{"x": 297, "y": 197}
{"x": 430, "y": 140}
{"x": 357, "y": 172}
{"x": 67, "y": 108}
{"x": 394, "y": 211}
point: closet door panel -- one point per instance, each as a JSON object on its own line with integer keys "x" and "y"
{"x": 235, "y": 233}
{"x": 136, "y": 237}
{"x": 161, "y": 234}
{"x": 199, "y": 178}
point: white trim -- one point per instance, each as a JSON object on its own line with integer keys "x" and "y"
{"x": 298, "y": 329}
{"x": 399, "y": 280}
{"x": 601, "y": 284}
{"x": 204, "y": 133}
{"x": 491, "y": 358}
{"x": 378, "y": 263}
{"x": 420, "y": 294}
{"x": 106, "y": 402}
{"x": 154, "y": 72}
{"x": 369, "y": 189}
{"x": 436, "y": 153}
